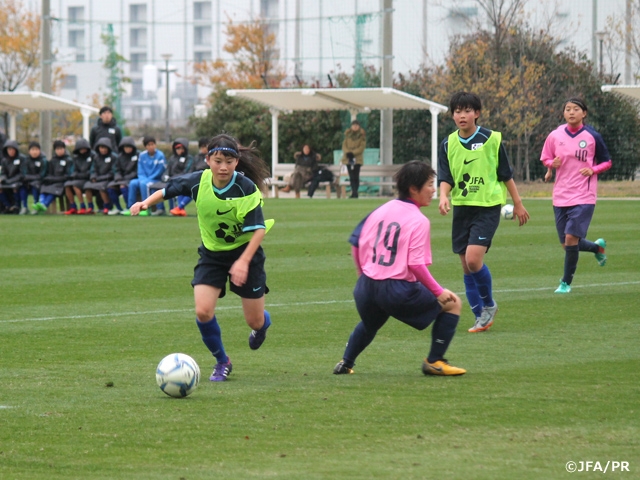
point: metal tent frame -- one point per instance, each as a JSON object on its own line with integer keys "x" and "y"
{"x": 15, "y": 102}
{"x": 355, "y": 100}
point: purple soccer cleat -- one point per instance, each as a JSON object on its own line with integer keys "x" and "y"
{"x": 221, "y": 371}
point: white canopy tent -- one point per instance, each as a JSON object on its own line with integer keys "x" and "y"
{"x": 355, "y": 100}
{"x": 632, "y": 91}
{"x": 15, "y": 102}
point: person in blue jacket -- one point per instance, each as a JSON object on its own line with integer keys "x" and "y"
{"x": 151, "y": 165}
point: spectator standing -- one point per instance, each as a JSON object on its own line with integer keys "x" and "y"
{"x": 353, "y": 145}
{"x": 106, "y": 126}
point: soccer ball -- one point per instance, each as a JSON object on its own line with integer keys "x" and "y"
{"x": 507, "y": 212}
{"x": 177, "y": 375}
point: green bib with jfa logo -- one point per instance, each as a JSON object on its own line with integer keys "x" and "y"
{"x": 475, "y": 173}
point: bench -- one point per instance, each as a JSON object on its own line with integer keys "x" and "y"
{"x": 284, "y": 170}
{"x": 370, "y": 175}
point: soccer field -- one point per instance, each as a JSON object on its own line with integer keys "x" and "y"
{"x": 89, "y": 306}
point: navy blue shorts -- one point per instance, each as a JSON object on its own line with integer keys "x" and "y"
{"x": 410, "y": 302}
{"x": 213, "y": 269}
{"x": 573, "y": 220}
{"x": 473, "y": 226}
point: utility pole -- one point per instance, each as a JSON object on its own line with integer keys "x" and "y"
{"x": 594, "y": 29}
{"x": 45, "y": 55}
{"x": 167, "y": 130}
{"x": 386, "y": 115}
{"x": 627, "y": 44}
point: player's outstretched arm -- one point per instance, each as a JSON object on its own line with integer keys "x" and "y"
{"x": 153, "y": 199}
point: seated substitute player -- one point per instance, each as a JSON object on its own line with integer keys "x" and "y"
{"x": 391, "y": 249}
{"x": 229, "y": 208}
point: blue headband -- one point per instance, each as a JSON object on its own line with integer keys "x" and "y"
{"x": 223, "y": 149}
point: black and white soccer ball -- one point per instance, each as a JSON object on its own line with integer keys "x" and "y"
{"x": 177, "y": 375}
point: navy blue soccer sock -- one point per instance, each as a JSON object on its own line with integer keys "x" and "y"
{"x": 212, "y": 338}
{"x": 90, "y": 205}
{"x": 571, "y": 255}
{"x": 483, "y": 282}
{"x": 267, "y": 322}
{"x": 473, "y": 296}
{"x": 444, "y": 328}
{"x": 359, "y": 340}
{"x": 585, "y": 245}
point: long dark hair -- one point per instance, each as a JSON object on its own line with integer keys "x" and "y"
{"x": 249, "y": 161}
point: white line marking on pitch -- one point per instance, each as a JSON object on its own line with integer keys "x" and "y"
{"x": 294, "y": 304}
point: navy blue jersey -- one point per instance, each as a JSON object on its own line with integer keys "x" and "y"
{"x": 505, "y": 172}
{"x": 239, "y": 186}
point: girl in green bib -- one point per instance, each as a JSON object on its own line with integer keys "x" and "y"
{"x": 229, "y": 202}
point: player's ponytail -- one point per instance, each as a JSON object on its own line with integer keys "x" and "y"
{"x": 250, "y": 164}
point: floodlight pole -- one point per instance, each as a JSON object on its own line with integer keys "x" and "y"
{"x": 167, "y": 70}
{"x": 45, "y": 116}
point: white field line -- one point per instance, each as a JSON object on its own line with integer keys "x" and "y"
{"x": 295, "y": 304}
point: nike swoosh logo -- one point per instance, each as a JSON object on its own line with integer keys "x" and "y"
{"x": 256, "y": 289}
{"x": 437, "y": 369}
{"x": 467, "y": 162}
{"x": 482, "y": 238}
{"x": 222, "y": 213}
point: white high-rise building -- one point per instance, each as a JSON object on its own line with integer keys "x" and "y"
{"x": 316, "y": 40}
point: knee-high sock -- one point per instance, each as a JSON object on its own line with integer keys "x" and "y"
{"x": 585, "y": 245}
{"x": 444, "y": 328}
{"x": 212, "y": 338}
{"x": 571, "y": 255}
{"x": 359, "y": 340}
{"x": 483, "y": 282}
{"x": 473, "y": 296}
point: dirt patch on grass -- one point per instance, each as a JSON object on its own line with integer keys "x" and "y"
{"x": 605, "y": 189}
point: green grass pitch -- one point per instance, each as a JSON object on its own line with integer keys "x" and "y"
{"x": 89, "y": 306}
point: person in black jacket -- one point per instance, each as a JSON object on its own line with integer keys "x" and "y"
{"x": 126, "y": 170}
{"x": 102, "y": 172}
{"x": 106, "y": 126}
{"x": 199, "y": 164}
{"x": 36, "y": 170}
{"x": 179, "y": 163}
{"x": 58, "y": 171}
{"x": 13, "y": 168}
{"x": 83, "y": 157}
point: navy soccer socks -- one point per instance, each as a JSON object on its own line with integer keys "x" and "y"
{"x": 444, "y": 328}
{"x": 571, "y": 255}
{"x": 212, "y": 338}
{"x": 473, "y": 296}
{"x": 359, "y": 340}
{"x": 483, "y": 282}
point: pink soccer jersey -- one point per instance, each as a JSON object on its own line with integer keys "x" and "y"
{"x": 393, "y": 237}
{"x": 583, "y": 149}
